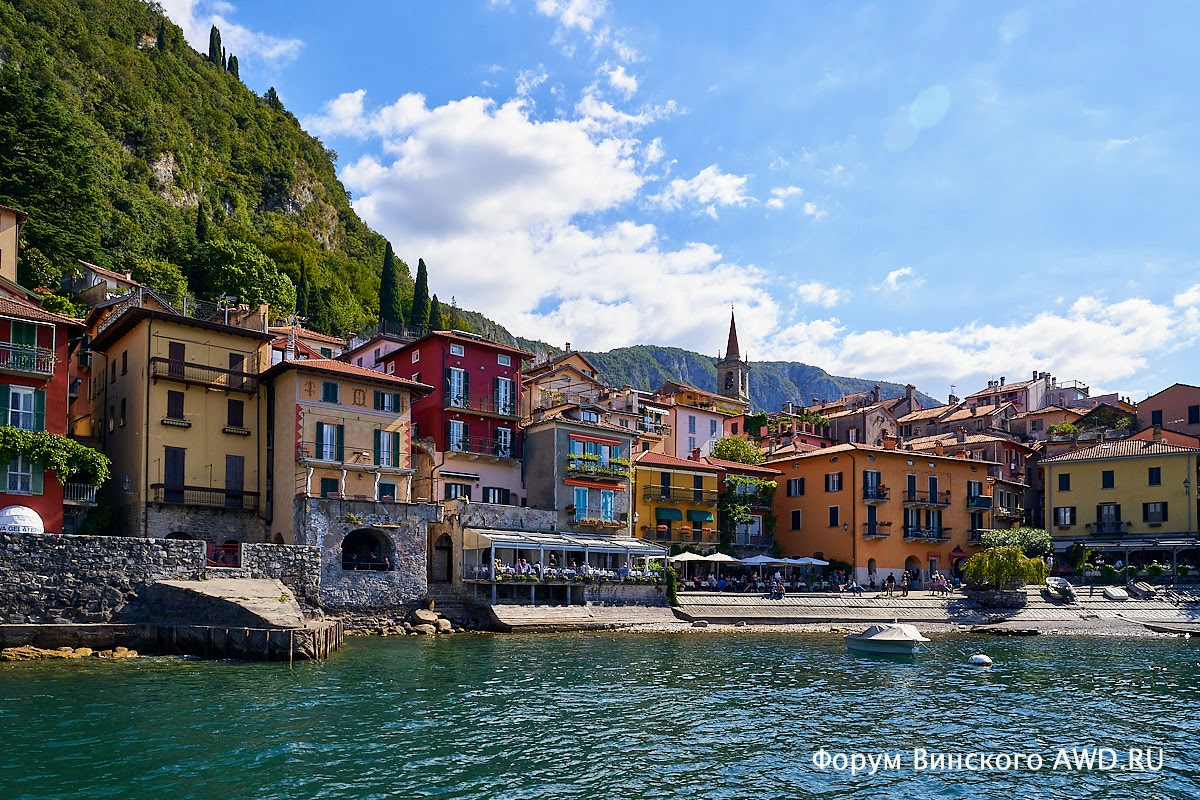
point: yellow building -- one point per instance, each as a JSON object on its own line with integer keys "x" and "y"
{"x": 880, "y": 509}
{"x": 1123, "y": 496}
{"x": 340, "y": 432}
{"x": 176, "y": 405}
{"x": 676, "y": 500}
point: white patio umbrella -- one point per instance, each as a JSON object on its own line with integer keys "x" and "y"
{"x": 721, "y": 558}
{"x": 687, "y": 557}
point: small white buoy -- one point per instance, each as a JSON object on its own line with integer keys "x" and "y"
{"x": 979, "y": 660}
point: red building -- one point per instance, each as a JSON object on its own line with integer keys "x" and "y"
{"x": 468, "y": 428}
{"x": 35, "y": 347}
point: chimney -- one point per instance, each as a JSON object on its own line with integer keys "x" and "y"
{"x": 568, "y": 348}
{"x": 953, "y": 400}
{"x": 1001, "y": 380}
{"x": 695, "y": 456}
{"x": 890, "y": 441}
{"x": 939, "y": 449}
{"x": 910, "y": 395}
{"x": 961, "y": 434}
{"x": 1036, "y": 374}
{"x": 1158, "y": 433}
{"x": 876, "y": 393}
{"x": 816, "y": 400}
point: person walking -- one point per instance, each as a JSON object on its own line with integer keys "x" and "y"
{"x": 905, "y": 582}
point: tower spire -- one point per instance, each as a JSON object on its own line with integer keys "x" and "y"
{"x": 732, "y": 353}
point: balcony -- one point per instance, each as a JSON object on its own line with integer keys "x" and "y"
{"x": 975, "y": 537}
{"x": 1108, "y": 527}
{"x": 348, "y": 456}
{"x": 678, "y": 494}
{"x": 979, "y": 501}
{"x": 493, "y": 405}
{"x": 913, "y": 497}
{"x": 204, "y": 497}
{"x": 615, "y": 469}
{"x": 203, "y": 375}
{"x": 655, "y": 428}
{"x": 1008, "y": 512}
{"x": 926, "y": 534}
{"x": 23, "y": 359}
{"x": 876, "y": 530}
{"x": 597, "y": 522}
{"x": 876, "y": 494}
{"x": 480, "y": 447}
{"x": 79, "y": 494}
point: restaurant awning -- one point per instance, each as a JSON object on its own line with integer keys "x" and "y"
{"x": 663, "y": 512}
{"x": 699, "y": 516}
{"x": 483, "y": 538}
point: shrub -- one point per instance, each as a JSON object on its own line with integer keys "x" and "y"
{"x": 1003, "y": 568}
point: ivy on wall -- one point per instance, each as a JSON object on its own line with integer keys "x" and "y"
{"x": 66, "y": 458}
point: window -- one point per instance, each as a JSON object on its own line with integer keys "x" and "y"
{"x": 20, "y": 476}
{"x": 1107, "y": 479}
{"x": 330, "y": 442}
{"x": 387, "y": 448}
{"x": 974, "y": 488}
{"x": 1064, "y": 481}
{"x": 504, "y": 442}
{"x": 458, "y": 387}
{"x": 505, "y": 397}
{"x": 691, "y": 423}
{"x": 1193, "y": 415}
{"x": 589, "y": 416}
{"x": 360, "y": 361}
{"x": 1156, "y": 417}
{"x": 1064, "y": 516}
{"x": 175, "y": 405}
{"x": 124, "y": 362}
{"x": 326, "y": 352}
{"x": 112, "y": 372}
{"x": 697, "y": 488}
{"x": 581, "y": 502}
{"x": 329, "y": 392}
{"x": 457, "y": 350}
{"x": 416, "y": 356}
{"x": 1154, "y": 477}
{"x": 22, "y": 408}
{"x": 503, "y": 360}
{"x": 834, "y": 516}
{"x": 497, "y": 496}
{"x": 458, "y": 436}
{"x": 712, "y": 427}
{"x": 377, "y": 354}
{"x": 1154, "y": 513}
{"x": 608, "y": 505}
{"x": 833, "y": 482}
{"x": 976, "y": 521}
{"x": 387, "y": 401}
{"x": 329, "y": 487}
{"x": 387, "y": 490}
{"x": 454, "y": 490}
{"x": 236, "y": 414}
{"x": 121, "y": 420}
{"x": 796, "y": 519}
{"x": 691, "y": 443}
{"x": 795, "y": 487}
{"x": 734, "y": 429}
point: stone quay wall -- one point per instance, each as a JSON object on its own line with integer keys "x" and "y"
{"x": 62, "y": 579}
{"x": 399, "y": 530}
{"x": 216, "y": 525}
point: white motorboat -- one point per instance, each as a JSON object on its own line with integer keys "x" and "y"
{"x": 895, "y": 638}
{"x": 1060, "y": 589}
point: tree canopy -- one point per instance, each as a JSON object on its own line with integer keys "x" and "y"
{"x": 739, "y": 449}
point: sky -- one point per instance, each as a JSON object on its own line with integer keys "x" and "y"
{"x": 941, "y": 193}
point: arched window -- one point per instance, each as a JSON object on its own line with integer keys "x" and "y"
{"x": 368, "y": 549}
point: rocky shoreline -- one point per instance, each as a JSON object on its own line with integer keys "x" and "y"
{"x": 30, "y": 653}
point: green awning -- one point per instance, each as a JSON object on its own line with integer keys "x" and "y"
{"x": 700, "y": 516}
{"x": 663, "y": 512}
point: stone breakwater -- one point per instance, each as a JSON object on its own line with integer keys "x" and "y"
{"x": 31, "y": 653}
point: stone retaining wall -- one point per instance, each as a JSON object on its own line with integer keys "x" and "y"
{"x": 52, "y": 578}
{"x": 611, "y": 593}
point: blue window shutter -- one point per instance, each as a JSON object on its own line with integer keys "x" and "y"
{"x": 341, "y": 442}
{"x": 39, "y": 410}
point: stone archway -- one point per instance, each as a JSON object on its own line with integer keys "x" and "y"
{"x": 181, "y": 535}
{"x": 441, "y": 561}
{"x": 912, "y": 565}
{"x": 368, "y": 549}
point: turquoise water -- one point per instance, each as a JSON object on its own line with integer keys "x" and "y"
{"x": 605, "y": 716}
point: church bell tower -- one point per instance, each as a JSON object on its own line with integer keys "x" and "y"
{"x": 733, "y": 374}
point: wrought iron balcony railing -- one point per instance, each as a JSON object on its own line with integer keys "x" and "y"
{"x": 205, "y": 496}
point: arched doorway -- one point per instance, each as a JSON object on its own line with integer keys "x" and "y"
{"x": 912, "y": 565}
{"x": 441, "y": 565}
{"x": 872, "y": 569}
{"x": 179, "y": 535}
{"x": 368, "y": 549}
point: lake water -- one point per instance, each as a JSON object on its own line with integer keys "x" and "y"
{"x": 707, "y": 715}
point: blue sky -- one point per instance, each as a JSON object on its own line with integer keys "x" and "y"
{"x": 941, "y": 193}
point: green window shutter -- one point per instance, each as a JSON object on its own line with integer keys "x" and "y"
{"x": 4, "y": 420}
{"x": 39, "y": 410}
{"x": 320, "y": 440}
{"x": 377, "y": 432}
{"x": 341, "y": 442}
{"x": 396, "y": 402}
{"x": 37, "y": 478}
{"x": 378, "y": 400}
{"x": 467, "y": 387}
{"x": 3, "y": 476}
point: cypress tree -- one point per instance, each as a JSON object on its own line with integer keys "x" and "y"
{"x": 233, "y": 67}
{"x": 214, "y": 45}
{"x": 419, "y": 315}
{"x": 391, "y": 308}
{"x": 435, "y": 315}
{"x": 162, "y": 35}
{"x": 272, "y": 98}
{"x": 224, "y": 64}
{"x": 201, "y": 223}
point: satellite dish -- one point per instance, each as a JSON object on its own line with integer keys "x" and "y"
{"x": 21, "y": 519}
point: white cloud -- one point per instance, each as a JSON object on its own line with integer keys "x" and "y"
{"x": 196, "y": 18}
{"x": 811, "y": 210}
{"x": 1188, "y": 297}
{"x": 528, "y": 80}
{"x": 816, "y": 293}
{"x": 654, "y": 151}
{"x": 623, "y": 82}
{"x": 581, "y": 14}
{"x": 779, "y": 194}
{"x": 897, "y": 279}
{"x": 710, "y": 188}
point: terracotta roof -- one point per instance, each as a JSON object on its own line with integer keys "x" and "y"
{"x": 307, "y": 334}
{"x": 559, "y": 413}
{"x": 660, "y": 460}
{"x": 999, "y": 388}
{"x": 924, "y": 414}
{"x": 331, "y": 366}
{"x": 22, "y": 309}
{"x": 1049, "y": 410}
{"x": 737, "y": 465}
{"x": 965, "y": 412}
{"x": 1123, "y": 448}
{"x": 849, "y": 448}
{"x": 108, "y": 273}
{"x": 950, "y": 440}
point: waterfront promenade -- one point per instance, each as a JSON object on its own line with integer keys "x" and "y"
{"x": 1092, "y": 612}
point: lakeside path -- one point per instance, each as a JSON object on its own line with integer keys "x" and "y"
{"x": 1092, "y": 614}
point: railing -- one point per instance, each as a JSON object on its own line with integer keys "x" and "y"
{"x": 660, "y": 429}
{"x": 479, "y": 446}
{"x": 975, "y": 537}
{"x": 487, "y": 403}
{"x": 1108, "y": 527}
{"x": 920, "y": 498}
{"x": 84, "y": 493}
{"x": 351, "y": 456}
{"x": 602, "y": 469}
{"x": 1006, "y": 474}
{"x": 224, "y": 555}
{"x": 982, "y": 501}
{"x": 1009, "y": 512}
{"x": 876, "y": 494}
{"x": 203, "y": 496}
{"x": 679, "y": 494}
{"x": 203, "y": 375}
{"x": 876, "y": 530}
{"x": 758, "y": 540}
{"x": 596, "y": 522}
{"x": 756, "y": 501}
{"x": 23, "y": 358}
{"x": 927, "y": 534}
